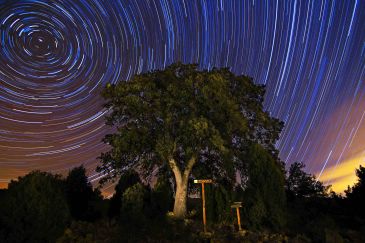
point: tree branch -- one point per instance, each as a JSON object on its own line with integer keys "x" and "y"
{"x": 189, "y": 167}
{"x": 176, "y": 170}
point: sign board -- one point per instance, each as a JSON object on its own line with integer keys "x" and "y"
{"x": 236, "y": 205}
{"x": 203, "y": 181}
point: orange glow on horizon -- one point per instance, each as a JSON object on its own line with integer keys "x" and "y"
{"x": 3, "y": 185}
{"x": 343, "y": 175}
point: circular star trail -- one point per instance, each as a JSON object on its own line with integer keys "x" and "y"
{"x": 56, "y": 56}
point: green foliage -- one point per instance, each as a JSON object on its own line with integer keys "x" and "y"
{"x": 84, "y": 232}
{"x": 300, "y": 184}
{"x": 182, "y": 117}
{"x": 218, "y": 196}
{"x": 135, "y": 204}
{"x": 218, "y": 203}
{"x": 264, "y": 197}
{"x": 34, "y": 209}
{"x": 132, "y": 200}
{"x": 181, "y": 113}
{"x": 128, "y": 179}
{"x": 81, "y": 197}
{"x": 161, "y": 197}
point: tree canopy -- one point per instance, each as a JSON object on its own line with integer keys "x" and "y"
{"x": 358, "y": 190}
{"x": 181, "y": 116}
{"x": 301, "y": 184}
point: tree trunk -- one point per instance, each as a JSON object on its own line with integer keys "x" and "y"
{"x": 181, "y": 186}
{"x": 180, "y": 198}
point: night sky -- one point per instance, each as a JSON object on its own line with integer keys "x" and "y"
{"x": 56, "y": 57}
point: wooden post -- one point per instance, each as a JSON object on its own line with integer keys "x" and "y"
{"x": 238, "y": 219}
{"x": 237, "y": 206}
{"x": 203, "y": 198}
{"x": 204, "y": 217}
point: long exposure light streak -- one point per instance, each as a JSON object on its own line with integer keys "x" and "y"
{"x": 56, "y": 56}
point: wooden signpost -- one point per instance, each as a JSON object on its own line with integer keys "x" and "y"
{"x": 237, "y": 206}
{"x": 203, "y": 198}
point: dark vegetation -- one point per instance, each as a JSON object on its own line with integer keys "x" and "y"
{"x": 185, "y": 124}
{"x": 37, "y": 208}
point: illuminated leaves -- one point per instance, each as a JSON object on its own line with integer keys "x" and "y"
{"x": 181, "y": 112}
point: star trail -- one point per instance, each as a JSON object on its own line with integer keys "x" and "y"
{"x": 56, "y": 57}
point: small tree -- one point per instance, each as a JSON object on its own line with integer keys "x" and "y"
{"x": 181, "y": 117}
{"x": 356, "y": 194}
{"x": 358, "y": 190}
{"x": 134, "y": 203}
{"x": 264, "y": 197}
{"x": 81, "y": 196}
{"x": 301, "y": 184}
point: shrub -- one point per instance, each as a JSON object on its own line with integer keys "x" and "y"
{"x": 34, "y": 209}
{"x": 134, "y": 204}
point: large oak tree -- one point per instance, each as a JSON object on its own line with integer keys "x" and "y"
{"x": 181, "y": 117}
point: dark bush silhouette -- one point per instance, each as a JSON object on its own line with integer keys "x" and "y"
{"x": 34, "y": 209}
{"x": 264, "y": 198}
{"x": 300, "y": 184}
{"x": 82, "y": 199}
{"x": 356, "y": 197}
{"x": 128, "y": 179}
{"x": 162, "y": 198}
{"x": 218, "y": 203}
{"x": 135, "y": 204}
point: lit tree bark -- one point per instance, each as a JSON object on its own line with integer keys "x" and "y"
{"x": 181, "y": 192}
